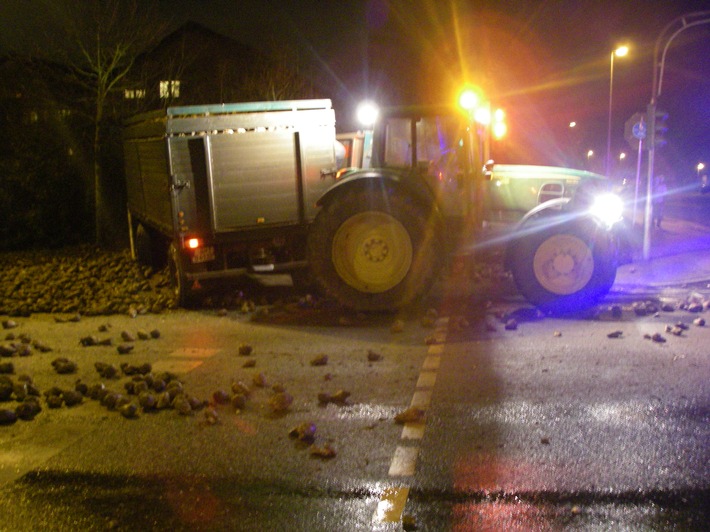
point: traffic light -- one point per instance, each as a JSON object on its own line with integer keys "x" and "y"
{"x": 656, "y": 120}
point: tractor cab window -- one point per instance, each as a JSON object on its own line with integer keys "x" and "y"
{"x": 441, "y": 148}
{"x": 433, "y": 145}
{"x": 399, "y": 146}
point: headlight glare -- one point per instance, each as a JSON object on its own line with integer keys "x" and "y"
{"x": 608, "y": 208}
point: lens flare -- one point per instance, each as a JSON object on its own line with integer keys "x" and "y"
{"x": 608, "y": 208}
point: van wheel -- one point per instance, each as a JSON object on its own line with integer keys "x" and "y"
{"x": 565, "y": 268}
{"x": 375, "y": 249}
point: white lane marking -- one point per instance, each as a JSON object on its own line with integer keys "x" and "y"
{"x": 391, "y": 505}
{"x": 404, "y": 461}
{"x": 421, "y": 399}
{"x": 392, "y": 502}
{"x": 437, "y": 349}
{"x": 413, "y": 431}
{"x": 431, "y": 363}
{"x": 426, "y": 379}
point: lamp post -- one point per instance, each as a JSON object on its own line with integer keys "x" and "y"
{"x": 621, "y": 51}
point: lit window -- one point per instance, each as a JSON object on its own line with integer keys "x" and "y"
{"x": 134, "y": 94}
{"x": 170, "y": 89}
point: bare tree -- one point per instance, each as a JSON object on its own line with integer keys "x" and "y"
{"x": 102, "y": 45}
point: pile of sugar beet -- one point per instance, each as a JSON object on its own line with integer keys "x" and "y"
{"x": 85, "y": 279}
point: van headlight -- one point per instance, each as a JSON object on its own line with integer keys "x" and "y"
{"x": 608, "y": 208}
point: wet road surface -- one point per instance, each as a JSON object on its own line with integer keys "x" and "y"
{"x": 548, "y": 425}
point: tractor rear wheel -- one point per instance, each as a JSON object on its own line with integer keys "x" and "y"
{"x": 375, "y": 249}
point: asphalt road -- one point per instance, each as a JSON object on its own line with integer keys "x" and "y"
{"x": 549, "y": 425}
{"x": 87, "y": 467}
{"x": 556, "y": 425}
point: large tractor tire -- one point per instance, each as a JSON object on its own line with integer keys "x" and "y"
{"x": 375, "y": 249}
{"x": 566, "y": 267}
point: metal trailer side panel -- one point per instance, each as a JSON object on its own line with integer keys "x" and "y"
{"x": 225, "y": 169}
{"x": 134, "y": 181}
{"x": 263, "y": 177}
{"x": 148, "y": 182}
{"x": 317, "y": 159}
{"x": 260, "y": 167}
{"x": 254, "y": 179}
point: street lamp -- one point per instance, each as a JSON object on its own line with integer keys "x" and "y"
{"x": 621, "y": 51}
{"x": 700, "y": 168}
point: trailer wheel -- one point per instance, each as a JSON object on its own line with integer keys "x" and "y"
{"x": 144, "y": 247}
{"x": 564, "y": 268}
{"x": 182, "y": 291}
{"x": 151, "y": 248}
{"x": 375, "y": 249}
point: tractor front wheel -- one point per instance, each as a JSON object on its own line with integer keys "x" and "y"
{"x": 564, "y": 268}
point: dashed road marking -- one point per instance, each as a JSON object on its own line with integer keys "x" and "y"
{"x": 404, "y": 463}
{"x": 426, "y": 379}
{"x": 391, "y": 505}
{"x": 438, "y": 349}
{"x": 421, "y": 399}
{"x": 431, "y": 363}
{"x": 413, "y": 431}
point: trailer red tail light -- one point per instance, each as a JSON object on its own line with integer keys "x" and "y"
{"x": 197, "y": 251}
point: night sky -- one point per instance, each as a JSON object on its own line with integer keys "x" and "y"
{"x": 545, "y": 62}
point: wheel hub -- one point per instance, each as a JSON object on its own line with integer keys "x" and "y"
{"x": 376, "y": 250}
{"x": 372, "y": 252}
{"x": 563, "y": 264}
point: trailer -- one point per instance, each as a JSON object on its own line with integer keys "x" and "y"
{"x": 218, "y": 191}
